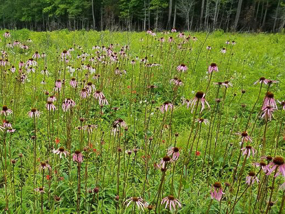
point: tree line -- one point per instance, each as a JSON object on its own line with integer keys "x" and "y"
{"x": 141, "y": 15}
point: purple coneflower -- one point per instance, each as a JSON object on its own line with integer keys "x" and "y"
{"x": 34, "y": 113}
{"x": 120, "y": 123}
{"x": 50, "y": 106}
{"x": 164, "y": 161}
{"x": 209, "y": 48}
{"x": 278, "y": 162}
{"x": 44, "y": 166}
{"x": 60, "y": 151}
{"x": 176, "y": 81}
{"x": 137, "y": 201}
{"x": 36, "y": 55}
{"x": 166, "y": 106}
{"x": 282, "y": 103}
{"x": 40, "y": 190}
{"x": 251, "y": 178}
{"x": 213, "y": 67}
{"x": 217, "y": 191}
{"x": 51, "y": 98}
{"x": 245, "y": 137}
{"x": 7, "y": 34}
{"x": 248, "y": 150}
{"x": 201, "y": 120}
{"x": 73, "y": 82}
{"x": 171, "y": 202}
{"x": 5, "y": 111}
{"x": 182, "y": 68}
{"x": 267, "y": 112}
{"x": 199, "y": 97}
{"x": 173, "y": 30}
{"x": 77, "y": 156}
{"x": 263, "y": 166}
{"x": 269, "y": 101}
{"x": 67, "y": 104}
{"x": 83, "y": 93}
{"x": 174, "y": 152}
{"x": 98, "y": 94}
{"x": 227, "y": 84}
{"x": 223, "y": 50}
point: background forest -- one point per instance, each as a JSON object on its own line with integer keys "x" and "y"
{"x": 141, "y": 15}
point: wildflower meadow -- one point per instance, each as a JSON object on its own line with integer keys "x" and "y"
{"x": 149, "y": 122}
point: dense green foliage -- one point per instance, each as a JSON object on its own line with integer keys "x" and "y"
{"x": 251, "y": 15}
{"x": 136, "y": 73}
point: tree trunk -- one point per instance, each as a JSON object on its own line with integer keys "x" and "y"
{"x": 202, "y": 13}
{"x": 237, "y": 14}
{"x": 144, "y": 20}
{"x": 216, "y": 13}
{"x": 206, "y": 15}
{"x": 174, "y": 16}
{"x": 149, "y": 15}
{"x": 169, "y": 14}
{"x": 156, "y": 20}
{"x": 93, "y": 15}
{"x": 276, "y": 16}
{"x": 265, "y": 14}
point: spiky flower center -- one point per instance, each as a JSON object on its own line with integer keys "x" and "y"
{"x": 166, "y": 159}
{"x": 278, "y": 160}
{"x": 217, "y": 185}
{"x": 251, "y": 174}
{"x": 199, "y": 95}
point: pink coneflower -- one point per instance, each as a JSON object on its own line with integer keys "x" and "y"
{"x": 213, "y": 67}
{"x": 73, "y": 82}
{"x": 50, "y": 106}
{"x": 36, "y": 55}
{"x": 51, "y": 98}
{"x": 227, "y": 42}
{"x": 67, "y": 104}
{"x": 269, "y": 101}
{"x": 209, "y": 48}
{"x": 60, "y": 151}
{"x": 166, "y": 106}
{"x": 170, "y": 39}
{"x": 103, "y": 101}
{"x": 77, "y": 156}
{"x": 58, "y": 84}
{"x": 7, "y": 124}
{"x": 217, "y": 192}
{"x": 164, "y": 161}
{"x": 34, "y": 113}
{"x": 171, "y": 202}
{"x": 267, "y": 112}
{"x": 138, "y": 201}
{"x": 233, "y": 43}
{"x": 263, "y": 166}
{"x": 120, "y": 123}
{"x": 173, "y": 30}
{"x": 5, "y": 111}
{"x": 65, "y": 54}
{"x": 44, "y": 166}
{"x": 201, "y": 120}
{"x": 282, "y": 103}
{"x": 223, "y": 50}
{"x": 182, "y": 68}
{"x": 89, "y": 128}
{"x": 13, "y": 69}
{"x": 90, "y": 87}
{"x": 40, "y": 190}
{"x": 98, "y": 94}
{"x": 176, "y": 81}
{"x": 245, "y": 137}
{"x": 7, "y": 34}
{"x": 227, "y": 84}
{"x": 10, "y": 130}
{"x": 174, "y": 152}
{"x": 251, "y": 178}
{"x": 83, "y": 93}
{"x": 248, "y": 150}
{"x": 261, "y": 81}
{"x": 278, "y": 162}
{"x": 31, "y": 62}
{"x": 199, "y": 97}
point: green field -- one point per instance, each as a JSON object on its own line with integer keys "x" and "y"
{"x": 122, "y": 103}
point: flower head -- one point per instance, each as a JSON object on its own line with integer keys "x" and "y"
{"x": 182, "y": 68}
{"x": 251, "y": 178}
{"x": 171, "y": 202}
{"x": 213, "y": 67}
{"x": 34, "y": 113}
{"x": 277, "y": 164}
{"x": 174, "y": 152}
{"x": 166, "y": 106}
{"x": 199, "y": 97}
{"x": 248, "y": 150}
{"x": 77, "y": 156}
{"x": 138, "y": 201}
{"x": 60, "y": 151}
{"x": 5, "y": 111}
{"x": 217, "y": 191}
